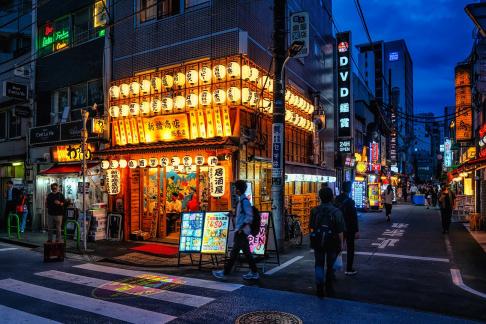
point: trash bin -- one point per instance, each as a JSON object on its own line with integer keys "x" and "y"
{"x": 419, "y": 200}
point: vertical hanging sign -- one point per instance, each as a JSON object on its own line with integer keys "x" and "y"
{"x": 344, "y": 96}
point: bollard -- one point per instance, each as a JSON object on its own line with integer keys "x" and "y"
{"x": 78, "y": 234}
{"x": 10, "y": 215}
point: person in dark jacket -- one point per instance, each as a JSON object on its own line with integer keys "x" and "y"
{"x": 55, "y": 211}
{"x": 12, "y": 198}
{"x": 348, "y": 208}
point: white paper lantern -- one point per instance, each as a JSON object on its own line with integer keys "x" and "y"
{"x": 132, "y": 164}
{"x": 181, "y": 168}
{"x": 254, "y": 74}
{"x": 187, "y": 160}
{"x": 302, "y": 122}
{"x": 145, "y": 86}
{"x": 114, "y": 164}
{"x": 156, "y": 84}
{"x": 288, "y": 115}
{"x": 134, "y": 109}
{"x": 265, "y": 104}
{"x": 269, "y": 85}
{"x": 219, "y": 72}
{"x": 179, "y": 103}
{"x": 245, "y": 72}
{"x": 233, "y": 70}
{"x": 191, "y": 77}
{"x": 167, "y": 104}
{"x": 245, "y": 95}
{"x": 114, "y": 111}
{"x": 293, "y": 99}
{"x": 270, "y": 108}
{"x": 191, "y": 100}
{"x": 124, "y": 110}
{"x": 311, "y": 109}
{"x": 142, "y": 163}
{"x": 287, "y": 95}
{"x": 167, "y": 81}
{"x": 205, "y": 98}
{"x": 164, "y": 161}
{"x": 219, "y": 96}
{"x": 180, "y": 79}
{"x": 205, "y": 74}
{"x": 105, "y": 164}
{"x": 199, "y": 160}
{"x": 125, "y": 90}
{"x": 254, "y": 99}
{"x": 134, "y": 88}
{"x": 298, "y": 102}
{"x": 156, "y": 106}
{"x": 122, "y": 163}
{"x": 153, "y": 162}
{"x": 175, "y": 161}
{"x": 114, "y": 92}
{"x": 234, "y": 94}
{"x": 212, "y": 161}
{"x": 145, "y": 107}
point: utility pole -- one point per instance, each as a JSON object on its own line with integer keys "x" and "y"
{"x": 84, "y": 138}
{"x": 278, "y": 127}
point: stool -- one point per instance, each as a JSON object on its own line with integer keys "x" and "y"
{"x": 54, "y": 251}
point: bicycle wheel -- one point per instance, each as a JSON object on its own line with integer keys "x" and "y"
{"x": 297, "y": 236}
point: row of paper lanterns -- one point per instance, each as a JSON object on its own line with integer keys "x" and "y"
{"x": 175, "y": 161}
{"x": 298, "y": 121}
{"x": 192, "y": 77}
{"x": 298, "y": 102}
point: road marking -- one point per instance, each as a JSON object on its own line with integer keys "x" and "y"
{"x": 186, "y": 280}
{"x": 457, "y": 280}
{"x": 7, "y": 249}
{"x": 12, "y": 315}
{"x": 401, "y": 256}
{"x": 134, "y": 289}
{"x": 283, "y": 265}
{"x": 96, "y": 306}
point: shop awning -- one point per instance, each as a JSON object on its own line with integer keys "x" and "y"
{"x": 67, "y": 168}
{"x": 468, "y": 166}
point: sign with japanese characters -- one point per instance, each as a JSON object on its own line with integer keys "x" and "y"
{"x": 344, "y": 98}
{"x": 71, "y": 153}
{"x": 464, "y": 119}
{"x": 113, "y": 181}
{"x": 217, "y": 179}
{"x": 215, "y": 233}
{"x": 359, "y": 194}
{"x": 258, "y": 242}
{"x": 299, "y": 31}
{"x": 191, "y": 232}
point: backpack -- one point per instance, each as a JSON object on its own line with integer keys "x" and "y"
{"x": 323, "y": 238}
{"x": 256, "y": 222}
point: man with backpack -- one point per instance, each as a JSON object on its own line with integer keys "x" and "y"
{"x": 348, "y": 208}
{"x": 246, "y": 217}
{"x": 327, "y": 227}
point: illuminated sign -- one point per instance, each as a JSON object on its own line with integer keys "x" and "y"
{"x": 447, "y": 153}
{"x": 71, "y": 153}
{"x": 361, "y": 167}
{"x": 344, "y": 101}
{"x": 374, "y": 152}
{"x": 345, "y": 146}
{"x": 299, "y": 31}
{"x": 463, "y": 119}
{"x": 258, "y": 242}
{"x": 393, "y": 56}
{"x": 308, "y": 178}
{"x": 99, "y": 15}
{"x": 215, "y": 233}
{"x": 217, "y": 179}
{"x": 359, "y": 193}
{"x": 191, "y": 232}
{"x": 112, "y": 183}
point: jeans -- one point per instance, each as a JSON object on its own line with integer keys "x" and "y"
{"x": 349, "y": 251}
{"x": 326, "y": 258}
{"x": 24, "y": 220}
{"x": 240, "y": 243}
{"x": 446, "y": 215}
{"x": 54, "y": 222}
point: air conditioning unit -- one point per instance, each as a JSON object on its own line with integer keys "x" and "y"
{"x": 22, "y": 71}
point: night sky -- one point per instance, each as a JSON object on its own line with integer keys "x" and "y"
{"x": 438, "y": 34}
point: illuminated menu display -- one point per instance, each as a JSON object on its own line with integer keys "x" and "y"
{"x": 258, "y": 242}
{"x": 191, "y": 232}
{"x": 359, "y": 193}
{"x": 215, "y": 234}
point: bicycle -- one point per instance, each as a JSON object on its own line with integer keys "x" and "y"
{"x": 293, "y": 230}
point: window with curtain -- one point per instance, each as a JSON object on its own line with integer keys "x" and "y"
{"x": 168, "y": 8}
{"x": 15, "y": 125}
{"x": 147, "y": 10}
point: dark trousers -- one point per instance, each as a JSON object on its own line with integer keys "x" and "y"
{"x": 349, "y": 251}
{"x": 412, "y": 195}
{"x": 324, "y": 258}
{"x": 240, "y": 244}
{"x": 388, "y": 208}
{"x": 446, "y": 215}
{"x": 10, "y": 207}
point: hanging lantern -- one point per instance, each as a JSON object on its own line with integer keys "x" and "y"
{"x": 145, "y": 86}
{"x": 219, "y": 96}
{"x": 293, "y": 99}
{"x": 164, "y": 161}
{"x": 270, "y": 108}
{"x": 167, "y": 81}
{"x": 153, "y": 162}
{"x": 298, "y": 102}
{"x": 191, "y": 77}
{"x": 233, "y": 70}
{"x": 113, "y": 164}
{"x": 145, "y": 107}
{"x": 245, "y": 95}
{"x": 254, "y": 99}
{"x": 114, "y": 92}
{"x": 302, "y": 122}
{"x": 234, "y": 94}
{"x": 288, "y": 115}
{"x": 187, "y": 160}
{"x": 122, "y": 163}
{"x": 191, "y": 100}
{"x": 134, "y": 88}
{"x": 205, "y": 98}
{"x": 142, "y": 163}
{"x": 132, "y": 164}
{"x": 167, "y": 104}
{"x": 287, "y": 96}
{"x": 269, "y": 85}
{"x": 125, "y": 90}
{"x": 245, "y": 72}
{"x": 112, "y": 182}
{"x": 219, "y": 72}
{"x": 205, "y": 74}
{"x": 213, "y": 161}
{"x": 265, "y": 104}
{"x": 311, "y": 109}
{"x": 156, "y": 84}
{"x": 199, "y": 160}
{"x": 124, "y": 110}
{"x": 254, "y": 73}
{"x": 156, "y": 106}
{"x": 134, "y": 109}
{"x": 175, "y": 161}
{"x": 217, "y": 179}
{"x": 114, "y": 111}
{"x": 179, "y": 103}
{"x": 180, "y": 79}
{"x": 105, "y": 164}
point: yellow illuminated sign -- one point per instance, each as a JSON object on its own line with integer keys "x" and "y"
{"x": 71, "y": 153}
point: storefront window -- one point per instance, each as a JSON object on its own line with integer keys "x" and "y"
{"x": 3, "y": 125}
{"x": 95, "y": 92}
{"x": 78, "y": 96}
{"x": 147, "y": 10}
{"x": 59, "y": 100}
{"x": 81, "y": 25}
{"x": 15, "y": 125}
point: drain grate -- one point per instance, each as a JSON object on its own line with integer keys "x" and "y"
{"x": 265, "y": 317}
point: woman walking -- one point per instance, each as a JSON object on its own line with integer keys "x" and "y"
{"x": 388, "y": 197}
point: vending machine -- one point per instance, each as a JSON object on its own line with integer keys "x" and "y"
{"x": 374, "y": 192}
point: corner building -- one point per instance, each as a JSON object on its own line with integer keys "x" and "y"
{"x": 190, "y": 110}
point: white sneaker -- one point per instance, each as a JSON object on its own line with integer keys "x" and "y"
{"x": 251, "y": 276}
{"x": 218, "y": 274}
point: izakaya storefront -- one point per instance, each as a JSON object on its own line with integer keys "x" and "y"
{"x": 182, "y": 135}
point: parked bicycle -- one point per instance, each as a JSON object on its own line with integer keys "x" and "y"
{"x": 293, "y": 230}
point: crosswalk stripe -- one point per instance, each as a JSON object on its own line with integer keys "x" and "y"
{"x": 96, "y": 306}
{"x": 134, "y": 289}
{"x": 7, "y": 249}
{"x": 185, "y": 280}
{"x": 12, "y": 315}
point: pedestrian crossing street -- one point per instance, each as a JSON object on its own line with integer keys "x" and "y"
{"x": 98, "y": 293}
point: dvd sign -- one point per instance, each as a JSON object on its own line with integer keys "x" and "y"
{"x": 344, "y": 102}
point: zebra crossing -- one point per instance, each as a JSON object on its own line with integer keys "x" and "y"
{"x": 105, "y": 294}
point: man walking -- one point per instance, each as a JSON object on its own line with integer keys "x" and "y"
{"x": 348, "y": 209}
{"x": 244, "y": 218}
{"x": 327, "y": 226}
{"x": 12, "y": 197}
{"x": 446, "y": 201}
{"x": 55, "y": 211}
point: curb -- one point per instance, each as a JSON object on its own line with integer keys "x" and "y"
{"x": 20, "y": 243}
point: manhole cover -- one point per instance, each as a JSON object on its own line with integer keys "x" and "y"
{"x": 268, "y": 318}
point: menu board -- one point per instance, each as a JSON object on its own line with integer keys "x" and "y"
{"x": 215, "y": 234}
{"x": 359, "y": 194}
{"x": 258, "y": 242}
{"x": 191, "y": 232}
